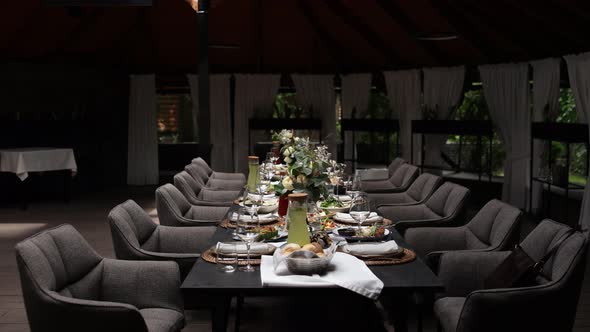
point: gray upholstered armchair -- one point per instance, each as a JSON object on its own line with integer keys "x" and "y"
{"x": 67, "y": 286}
{"x": 547, "y": 305}
{"x": 175, "y": 210}
{"x": 443, "y": 208}
{"x": 494, "y": 227}
{"x": 137, "y": 237}
{"x": 373, "y": 174}
{"x": 219, "y": 175}
{"x": 417, "y": 193}
{"x": 398, "y": 182}
{"x": 196, "y": 194}
{"x": 200, "y": 175}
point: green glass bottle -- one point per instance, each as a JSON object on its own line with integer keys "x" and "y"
{"x": 297, "y": 225}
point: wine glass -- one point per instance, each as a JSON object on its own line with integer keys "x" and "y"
{"x": 355, "y": 186}
{"x": 360, "y": 208}
{"x": 247, "y": 229}
{"x": 313, "y": 217}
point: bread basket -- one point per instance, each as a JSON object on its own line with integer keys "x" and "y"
{"x": 304, "y": 262}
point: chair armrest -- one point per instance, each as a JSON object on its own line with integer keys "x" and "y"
{"x": 144, "y": 284}
{"x": 93, "y": 315}
{"x": 425, "y": 240}
{"x": 464, "y": 272}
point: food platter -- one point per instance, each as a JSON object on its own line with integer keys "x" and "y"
{"x": 366, "y": 234}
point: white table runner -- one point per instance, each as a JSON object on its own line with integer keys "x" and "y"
{"x": 25, "y": 160}
{"x": 348, "y": 272}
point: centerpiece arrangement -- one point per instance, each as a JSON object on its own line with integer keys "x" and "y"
{"x": 307, "y": 166}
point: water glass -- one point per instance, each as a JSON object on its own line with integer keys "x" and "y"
{"x": 247, "y": 229}
{"x": 360, "y": 208}
{"x": 227, "y": 259}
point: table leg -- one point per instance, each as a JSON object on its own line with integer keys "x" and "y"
{"x": 24, "y": 187}
{"x": 67, "y": 185}
{"x": 397, "y": 306}
{"x": 220, "y": 313}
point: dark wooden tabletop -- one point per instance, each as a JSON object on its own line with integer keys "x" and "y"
{"x": 206, "y": 278}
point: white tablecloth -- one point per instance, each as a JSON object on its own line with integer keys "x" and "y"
{"x": 25, "y": 160}
{"x": 347, "y": 272}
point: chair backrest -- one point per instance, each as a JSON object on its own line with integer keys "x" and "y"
{"x": 130, "y": 221}
{"x": 395, "y": 164}
{"x": 448, "y": 199}
{"x": 495, "y": 225}
{"x": 424, "y": 186}
{"x": 187, "y": 185}
{"x": 540, "y": 240}
{"x": 404, "y": 175}
{"x": 201, "y": 162}
{"x": 170, "y": 204}
{"x": 198, "y": 173}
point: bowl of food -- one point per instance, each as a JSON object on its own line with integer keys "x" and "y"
{"x": 308, "y": 259}
{"x": 268, "y": 205}
{"x": 334, "y": 205}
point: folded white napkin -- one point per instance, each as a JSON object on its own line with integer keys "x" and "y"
{"x": 345, "y": 217}
{"x": 256, "y": 248}
{"x": 253, "y": 196}
{"x": 346, "y": 271}
{"x": 264, "y": 217}
{"x": 371, "y": 249}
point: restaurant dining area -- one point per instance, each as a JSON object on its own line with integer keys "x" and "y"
{"x": 294, "y": 165}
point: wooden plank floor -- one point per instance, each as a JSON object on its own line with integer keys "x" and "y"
{"x": 88, "y": 214}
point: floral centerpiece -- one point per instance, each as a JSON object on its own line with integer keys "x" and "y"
{"x": 306, "y": 166}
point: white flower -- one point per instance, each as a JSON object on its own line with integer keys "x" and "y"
{"x": 301, "y": 178}
{"x": 289, "y": 134}
{"x": 288, "y": 183}
{"x": 288, "y": 151}
{"x": 287, "y": 160}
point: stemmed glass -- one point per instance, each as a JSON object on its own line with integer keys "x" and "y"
{"x": 352, "y": 189}
{"x": 247, "y": 229}
{"x": 360, "y": 208}
{"x": 313, "y": 217}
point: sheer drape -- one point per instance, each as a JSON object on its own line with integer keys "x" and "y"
{"x": 316, "y": 92}
{"x": 220, "y": 119}
{"x": 506, "y": 90}
{"x": 142, "y": 152}
{"x": 356, "y": 91}
{"x": 403, "y": 90}
{"x": 578, "y": 67}
{"x": 253, "y": 93}
{"x": 545, "y": 108}
{"x": 443, "y": 88}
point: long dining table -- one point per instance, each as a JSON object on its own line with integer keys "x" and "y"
{"x": 206, "y": 281}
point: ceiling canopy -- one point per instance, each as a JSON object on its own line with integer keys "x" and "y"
{"x": 296, "y": 35}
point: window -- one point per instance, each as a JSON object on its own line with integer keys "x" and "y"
{"x": 175, "y": 119}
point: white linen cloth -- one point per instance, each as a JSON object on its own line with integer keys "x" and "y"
{"x": 23, "y": 161}
{"x": 578, "y": 67}
{"x": 256, "y": 248}
{"x": 317, "y": 92}
{"x": 370, "y": 248}
{"x": 220, "y": 120}
{"x": 545, "y": 95}
{"x": 442, "y": 91}
{"x": 403, "y": 90}
{"x": 347, "y": 272}
{"x": 265, "y": 217}
{"x": 345, "y": 217}
{"x": 253, "y": 93}
{"x": 506, "y": 89}
{"x": 356, "y": 91}
{"x": 142, "y": 151}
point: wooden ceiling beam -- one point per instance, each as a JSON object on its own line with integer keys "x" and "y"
{"x": 464, "y": 30}
{"x": 372, "y": 37}
{"x": 411, "y": 29}
{"x": 335, "y": 50}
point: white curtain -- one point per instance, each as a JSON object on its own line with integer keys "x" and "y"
{"x": 545, "y": 96}
{"x": 578, "y": 67}
{"x": 317, "y": 92}
{"x": 253, "y": 93}
{"x": 506, "y": 91}
{"x": 220, "y": 119}
{"x": 403, "y": 90}
{"x": 356, "y": 91}
{"x": 442, "y": 91}
{"x": 142, "y": 152}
